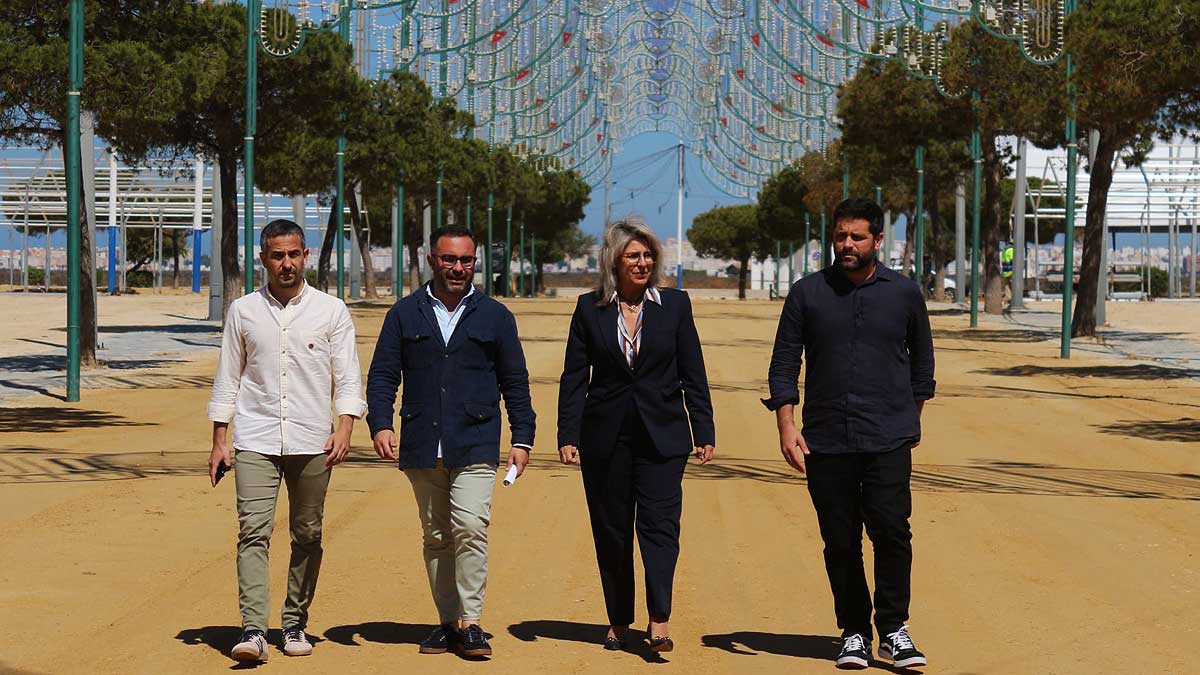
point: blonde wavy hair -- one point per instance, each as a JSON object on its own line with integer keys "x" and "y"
{"x": 618, "y": 236}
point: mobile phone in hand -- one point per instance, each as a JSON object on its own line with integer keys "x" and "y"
{"x": 221, "y": 469}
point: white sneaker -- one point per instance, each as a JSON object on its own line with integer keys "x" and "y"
{"x": 253, "y": 647}
{"x": 295, "y": 642}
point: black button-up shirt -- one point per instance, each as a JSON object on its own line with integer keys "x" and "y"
{"x": 870, "y": 359}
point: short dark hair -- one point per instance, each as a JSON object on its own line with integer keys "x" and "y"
{"x": 860, "y": 208}
{"x": 279, "y": 228}
{"x": 449, "y": 231}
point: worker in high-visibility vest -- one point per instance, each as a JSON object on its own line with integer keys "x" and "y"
{"x": 1006, "y": 268}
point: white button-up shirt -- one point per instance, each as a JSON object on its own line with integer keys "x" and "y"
{"x": 630, "y": 345}
{"x": 280, "y": 367}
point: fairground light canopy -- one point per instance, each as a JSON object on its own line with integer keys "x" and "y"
{"x": 747, "y": 85}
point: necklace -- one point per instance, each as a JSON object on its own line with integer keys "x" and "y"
{"x": 631, "y": 306}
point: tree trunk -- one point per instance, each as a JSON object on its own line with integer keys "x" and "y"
{"x": 87, "y": 291}
{"x": 175, "y": 258}
{"x": 909, "y": 236}
{"x": 743, "y": 277}
{"x": 937, "y": 271}
{"x": 992, "y": 225}
{"x": 414, "y": 265}
{"x": 326, "y": 252}
{"x": 231, "y": 271}
{"x": 1083, "y": 322}
{"x": 360, "y": 233}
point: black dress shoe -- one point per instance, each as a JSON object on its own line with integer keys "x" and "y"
{"x": 659, "y": 645}
{"x": 614, "y": 644}
{"x": 474, "y": 642}
{"x": 440, "y": 641}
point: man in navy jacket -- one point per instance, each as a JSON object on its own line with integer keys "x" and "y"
{"x": 456, "y": 352}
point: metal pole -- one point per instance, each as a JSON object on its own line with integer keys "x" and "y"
{"x": 889, "y": 237}
{"x": 487, "y": 253}
{"x": 1019, "y": 198}
{"x": 679, "y": 226}
{"x": 977, "y": 159}
{"x": 791, "y": 262}
{"x": 112, "y": 222}
{"x": 508, "y": 252}
{"x": 426, "y": 233}
{"x": 960, "y": 238}
{"x": 778, "y": 253}
{"x": 823, "y": 244}
{"x": 881, "y": 253}
{"x": 919, "y": 231}
{"x": 607, "y": 185}
{"x": 807, "y": 240}
{"x": 339, "y": 215}
{"x": 440, "y": 178}
{"x": 216, "y": 279}
{"x": 533, "y": 266}
{"x": 398, "y": 244}
{"x": 252, "y": 18}
{"x": 197, "y": 219}
{"x": 1069, "y": 226}
{"x": 521, "y": 260}
{"x": 72, "y": 167}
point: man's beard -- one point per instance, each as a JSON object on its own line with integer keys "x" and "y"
{"x": 284, "y": 283}
{"x": 858, "y": 263}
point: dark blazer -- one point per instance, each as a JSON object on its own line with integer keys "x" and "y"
{"x": 667, "y": 383}
{"x": 451, "y": 391}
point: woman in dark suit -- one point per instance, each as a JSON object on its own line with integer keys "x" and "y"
{"x": 633, "y": 403}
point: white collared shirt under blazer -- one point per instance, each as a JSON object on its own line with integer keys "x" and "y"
{"x": 281, "y": 366}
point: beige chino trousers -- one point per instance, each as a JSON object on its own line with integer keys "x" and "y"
{"x": 455, "y": 507}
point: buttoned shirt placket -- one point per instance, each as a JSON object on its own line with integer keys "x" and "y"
{"x": 284, "y": 316}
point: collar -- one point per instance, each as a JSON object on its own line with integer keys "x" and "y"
{"x": 305, "y": 289}
{"x": 461, "y": 303}
{"x": 882, "y": 273}
{"x": 652, "y": 295}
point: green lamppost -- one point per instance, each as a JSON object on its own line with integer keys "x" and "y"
{"x": 807, "y": 238}
{"x": 532, "y": 265}
{"x": 253, "y": 28}
{"x": 521, "y": 260}
{"x": 73, "y": 162}
{"x": 398, "y": 244}
{"x": 508, "y": 252}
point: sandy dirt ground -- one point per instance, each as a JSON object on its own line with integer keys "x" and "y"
{"x": 1055, "y": 520}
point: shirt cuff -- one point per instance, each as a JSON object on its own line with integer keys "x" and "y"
{"x": 776, "y": 402}
{"x": 354, "y": 407}
{"x": 522, "y": 445}
{"x": 220, "y": 412}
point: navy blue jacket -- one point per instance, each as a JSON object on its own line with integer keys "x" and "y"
{"x": 667, "y": 384}
{"x": 451, "y": 392}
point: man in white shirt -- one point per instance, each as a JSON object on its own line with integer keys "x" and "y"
{"x": 287, "y": 351}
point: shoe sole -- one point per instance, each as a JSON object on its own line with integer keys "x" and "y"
{"x": 247, "y": 656}
{"x": 663, "y": 648}
{"x": 912, "y": 661}
{"x": 486, "y": 651}
{"x": 852, "y": 663}
{"x": 297, "y": 652}
{"x": 432, "y": 650}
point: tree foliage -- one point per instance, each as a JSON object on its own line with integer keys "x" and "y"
{"x": 731, "y": 232}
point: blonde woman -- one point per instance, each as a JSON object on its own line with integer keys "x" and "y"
{"x": 633, "y": 403}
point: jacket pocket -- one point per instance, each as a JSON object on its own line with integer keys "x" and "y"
{"x": 478, "y": 413}
{"x": 409, "y": 411}
{"x": 480, "y": 351}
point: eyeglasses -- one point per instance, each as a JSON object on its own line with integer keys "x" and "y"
{"x": 467, "y": 261}
{"x": 635, "y": 257}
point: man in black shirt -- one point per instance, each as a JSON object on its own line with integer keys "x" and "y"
{"x": 866, "y": 332}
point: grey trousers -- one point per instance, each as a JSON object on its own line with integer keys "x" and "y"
{"x": 455, "y": 507}
{"x": 258, "y": 477}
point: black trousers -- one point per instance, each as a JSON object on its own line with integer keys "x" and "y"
{"x": 627, "y": 485}
{"x": 852, "y": 490}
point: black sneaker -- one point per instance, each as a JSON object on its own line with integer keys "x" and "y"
{"x": 856, "y": 650}
{"x": 898, "y": 648}
{"x": 440, "y": 641}
{"x": 474, "y": 642}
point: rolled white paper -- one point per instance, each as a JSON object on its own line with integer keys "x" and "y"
{"x": 511, "y": 476}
